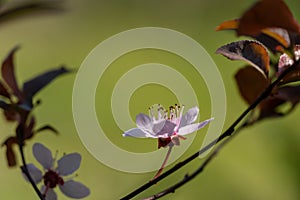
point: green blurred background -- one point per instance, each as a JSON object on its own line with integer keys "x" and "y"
{"x": 262, "y": 163}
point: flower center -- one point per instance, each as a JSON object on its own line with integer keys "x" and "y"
{"x": 158, "y": 112}
{"x": 51, "y": 179}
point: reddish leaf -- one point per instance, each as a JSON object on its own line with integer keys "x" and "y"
{"x": 274, "y": 39}
{"x": 270, "y": 37}
{"x": 8, "y": 73}
{"x": 11, "y": 115}
{"x": 251, "y": 51}
{"x": 268, "y": 108}
{"x": 10, "y": 154}
{"x": 267, "y": 14}
{"x": 28, "y": 130}
{"x": 251, "y": 83}
{"x": 279, "y": 34}
{"x": 11, "y": 111}
{"x": 273, "y": 45}
{"x": 289, "y": 93}
{"x": 3, "y": 91}
{"x": 3, "y": 105}
{"x": 228, "y": 25}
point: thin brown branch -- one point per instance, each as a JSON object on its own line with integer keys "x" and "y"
{"x": 200, "y": 169}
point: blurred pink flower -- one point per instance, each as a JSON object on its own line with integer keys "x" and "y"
{"x": 56, "y": 175}
{"x": 286, "y": 61}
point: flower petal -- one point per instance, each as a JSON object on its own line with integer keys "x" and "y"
{"x": 144, "y": 122}
{"x": 50, "y": 195}
{"x": 164, "y": 128}
{"x": 138, "y": 133}
{"x": 74, "y": 189}
{"x": 189, "y": 117}
{"x": 193, "y": 127}
{"x": 43, "y": 155}
{"x": 68, "y": 164}
{"x": 34, "y": 172}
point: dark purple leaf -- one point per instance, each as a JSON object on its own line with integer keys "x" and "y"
{"x": 33, "y": 86}
{"x": 251, "y": 51}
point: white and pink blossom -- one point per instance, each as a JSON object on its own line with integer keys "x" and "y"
{"x": 57, "y": 175}
{"x": 167, "y": 127}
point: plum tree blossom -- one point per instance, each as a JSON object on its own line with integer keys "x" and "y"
{"x": 167, "y": 126}
{"x": 56, "y": 175}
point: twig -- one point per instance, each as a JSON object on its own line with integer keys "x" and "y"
{"x": 188, "y": 177}
{"x": 228, "y": 132}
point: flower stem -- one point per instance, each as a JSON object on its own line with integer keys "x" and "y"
{"x": 164, "y": 163}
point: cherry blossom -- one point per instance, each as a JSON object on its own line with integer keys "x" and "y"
{"x": 57, "y": 175}
{"x": 168, "y": 127}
